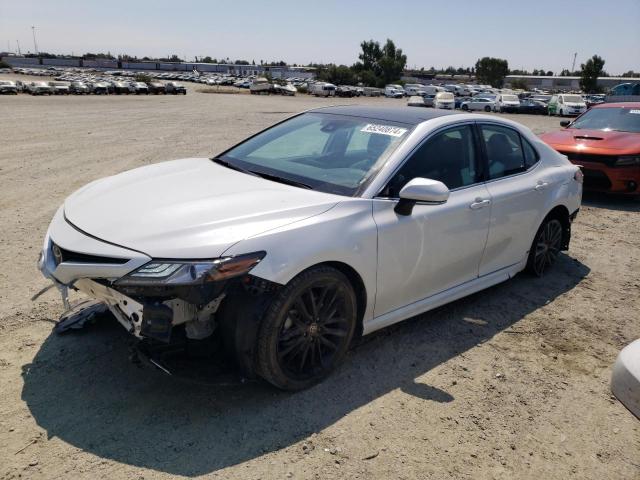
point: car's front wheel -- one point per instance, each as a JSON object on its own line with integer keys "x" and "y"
{"x": 546, "y": 247}
{"x": 307, "y": 329}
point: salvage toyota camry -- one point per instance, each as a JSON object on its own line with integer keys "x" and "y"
{"x": 329, "y": 225}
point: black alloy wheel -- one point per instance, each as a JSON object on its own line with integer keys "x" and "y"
{"x": 307, "y": 330}
{"x": 546, "y": 247}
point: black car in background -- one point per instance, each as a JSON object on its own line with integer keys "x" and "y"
{"x": 175, "y": 88}
{"x": 345, "y": 91}
{"x": 532, "y": 107}
{"x": 79, "y": 88}
{"x": 156, "y": 88}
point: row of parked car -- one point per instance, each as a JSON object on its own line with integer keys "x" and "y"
{"x": 563, "y": 104}
{"x": 99, "y": 87}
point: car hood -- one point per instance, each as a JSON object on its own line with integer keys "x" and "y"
{"x": 599, "y": 139}
{"x": 191, "y": 208}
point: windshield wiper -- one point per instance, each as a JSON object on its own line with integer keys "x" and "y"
{"x": 230, "y": 165}
{"x": 286, "y": 181}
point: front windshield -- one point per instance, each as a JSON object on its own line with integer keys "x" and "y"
{"x": 509, "y": 98}
{"x": 619, "y": 119}
{"x": 573, "y": 99}
{"x": 330, "y": 153}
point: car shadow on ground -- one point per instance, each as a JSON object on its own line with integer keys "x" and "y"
{"x": 82, "y": 389}
{"x": 623, "y": 203}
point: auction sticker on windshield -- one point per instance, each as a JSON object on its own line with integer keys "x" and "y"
{"x": 384, "y": 130}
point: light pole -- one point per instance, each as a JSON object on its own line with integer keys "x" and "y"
{"x": 35, "y": 45}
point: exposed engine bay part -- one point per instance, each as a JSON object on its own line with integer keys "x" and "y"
{"x": 155, "y": 318}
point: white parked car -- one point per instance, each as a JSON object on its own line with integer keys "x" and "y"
{"x": 444, "y": 100}
{"x": 332, "y": 224}
{"x": 478, "y": 103}
{"x": 392, "y": 91}
{"x": 566, "y": 104}
{"x": 507, "y": 102}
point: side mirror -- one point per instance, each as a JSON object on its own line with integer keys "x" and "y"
{"x": 565, "y": 123}
{"x": 422, "y": 190}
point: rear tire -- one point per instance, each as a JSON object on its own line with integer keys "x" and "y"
{"x": 546, "y": 246}
{"x": 487, "y": 109}
{"x": 307, "y": 329}
{"x": 465, "y": 108}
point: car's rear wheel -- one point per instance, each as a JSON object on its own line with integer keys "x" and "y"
{"x": 546, "y": 247}
{"x": 307, "y": 330}
{"x": 465, "y": 107}
{"x": 487, "y": 108}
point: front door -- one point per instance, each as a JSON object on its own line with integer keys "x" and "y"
{"x": 436, "y": 247}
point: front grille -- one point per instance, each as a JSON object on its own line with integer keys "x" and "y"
{"x": 596, "y": 180}
{"x": 609, "y": 160}
{"x": 76, "y": 257}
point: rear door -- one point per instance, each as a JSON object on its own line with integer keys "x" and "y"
{"x": 518, "y": 192}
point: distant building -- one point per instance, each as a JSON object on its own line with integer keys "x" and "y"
{"x": 222, "y": 68}
{"x": 544, "y": 82}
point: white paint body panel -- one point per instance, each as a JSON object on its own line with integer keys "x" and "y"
{"x": 196, "y": 209}
{"x": 191, "y": 208}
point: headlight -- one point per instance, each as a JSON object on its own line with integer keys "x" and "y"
{"x": 628, "y": 161}
{"x": 191, "y": 272}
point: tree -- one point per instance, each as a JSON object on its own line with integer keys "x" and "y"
{"x": 519, "y": 84}
{"x": 379, "y": 66}
{"x": 492, "y": 71}
{"x": 338, "y": 75}
{"x": 589, "y": 74}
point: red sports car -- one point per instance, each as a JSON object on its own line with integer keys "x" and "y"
{"x": 605, "y": 140}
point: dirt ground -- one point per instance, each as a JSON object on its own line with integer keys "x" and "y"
{"x": 512, "y": 382}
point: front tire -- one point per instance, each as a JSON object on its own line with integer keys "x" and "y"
{"x": 487, "y": 109}
{"x": 545, "y": 247}
{"x": 307, "y": 329}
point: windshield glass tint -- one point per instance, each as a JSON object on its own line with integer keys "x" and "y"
{"x": 573, "y": 99}
{"x": 330, "y": 153}
{"x": 617, "y": 119}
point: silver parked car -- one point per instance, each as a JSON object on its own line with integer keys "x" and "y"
{"x": 39, "y": 88}
{"x": 7, "y": 87}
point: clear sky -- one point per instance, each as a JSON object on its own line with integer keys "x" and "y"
{"x": 530, "y": 34}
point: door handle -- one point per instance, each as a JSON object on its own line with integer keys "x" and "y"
{"x": 541, "y": 186}
{"x": 479, "y": 203}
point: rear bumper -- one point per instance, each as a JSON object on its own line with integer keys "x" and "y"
{"x": 603, "y": 178}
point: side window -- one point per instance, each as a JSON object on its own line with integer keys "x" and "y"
{"x": 449, "y": 157}
{"x": 530, "y": 154}
{"x": 504, "y": 151}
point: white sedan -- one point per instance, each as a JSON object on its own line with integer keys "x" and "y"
{"x": 479, "y": 103}
{"x": 329, "y": 225}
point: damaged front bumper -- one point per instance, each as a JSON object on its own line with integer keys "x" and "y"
{"x": 181, "y": 307}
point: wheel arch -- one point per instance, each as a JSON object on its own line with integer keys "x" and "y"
{"x": 358, "y": 286}
{"x": 561, "y": 213}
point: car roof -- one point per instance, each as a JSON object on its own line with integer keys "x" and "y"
{"x": 618, "y": 105}
{"x": 408, "y": 115}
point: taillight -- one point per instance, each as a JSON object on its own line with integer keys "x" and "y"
{"x": 578, "y": 176}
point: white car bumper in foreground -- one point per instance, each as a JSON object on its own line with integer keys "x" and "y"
{"x": 625, "y": 381}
